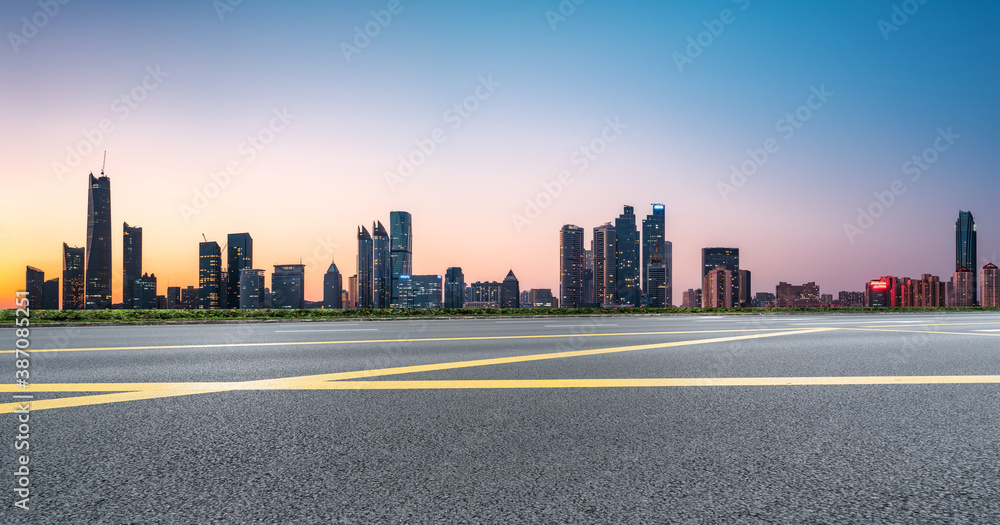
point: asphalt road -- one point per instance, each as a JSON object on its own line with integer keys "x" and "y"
{"x": 737, "y": 419}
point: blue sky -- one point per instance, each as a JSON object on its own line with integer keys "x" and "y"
{"x": 555, "y": 90}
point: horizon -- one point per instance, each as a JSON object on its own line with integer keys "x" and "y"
{"x": 769, "y": 134}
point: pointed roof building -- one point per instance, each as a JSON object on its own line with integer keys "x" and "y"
{"x": 510, "y": 291}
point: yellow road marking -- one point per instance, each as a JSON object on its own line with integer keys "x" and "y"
{"x": 369, "y": 341}
{"x": 928, "y": 324}
{"x": 508, "y": 384}
{"x": 135, "y": 391}
{"x": 650, "y": 382}
{"x": 539, "y": 357}
{"x": 921, "y": 331}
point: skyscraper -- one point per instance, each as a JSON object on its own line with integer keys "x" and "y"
{"x": 484, "y": 295}
{"x": 50, "y": 294}
{"x": 588, "y": 276}
{"x": 98, "y": 256}
{"x": 964, "y": 281}
{"x": 510, "y": 292}
{"x": 744, "y": 288}
{"x": 365, "y": 297}
{"x": 131, "y": 262}
{"x": 34, "y": 284}
{"x": 570, "y": 266}
{"x": 717, "y": 287}
{"x": 381, "y": 270}
{"x": 400, "y": 249}
{"x": 965, "y": 248}
{"x": 251, "y": 289}
{"x": 333, "y": 286}
{"x": 627, "y": 252}
{"x": 728, "y": 258}
{"x": 144, "y": 292}
{"x": 656, "y": 281}
{"x": 174, "y": 297}
{"x": 668, "y": 261}
{"x": 209, "y": 275}
{"x": 352, "y": 292}
{"x": 288, "y": 286}
{"x": 72, "y": 275}
{"x": 989, "y": 279}
{"x": 654, "y": 228}
{"x": 189, "y": 298}
{"x": 239, "y": 257}
{"x": 605, "y": 265}
{"x": 454, "y": 288}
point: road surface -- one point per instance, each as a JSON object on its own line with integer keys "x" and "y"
{"x": 683, "y": 419}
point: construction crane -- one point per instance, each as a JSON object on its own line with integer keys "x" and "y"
{"x": 105, "y": 163}
{"x": 203, "y": 237}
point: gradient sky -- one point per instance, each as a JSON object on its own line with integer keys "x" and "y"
{"x": 304, "y": 194}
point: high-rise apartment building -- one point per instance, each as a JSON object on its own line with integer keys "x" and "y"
{"x": 964, "y": 281}
{"x": 728, "y": 258}
{"x": 570, "y": 266}
{"x": 605, "y": 265}
{"x": 483, "y": 295}
{"x": 131, "y": 262}
{"x": 239, "y": 257}
{"x": 97, "y": 286}
{"x": 717, "y": 288}
{"x": 209, "y": 275}
{"x": 989, "y": 280}
{"x": 400, "y": 249}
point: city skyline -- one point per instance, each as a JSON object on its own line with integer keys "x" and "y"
{"x": 882, "y": 135}
{"x": 724, "y": 284}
